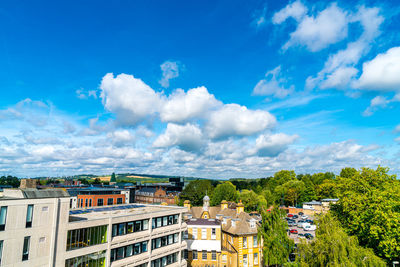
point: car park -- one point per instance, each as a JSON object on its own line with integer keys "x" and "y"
{"x": 295, "y": 216}
{"x": 309, "y": 227}
{"x": 301, "y": 213}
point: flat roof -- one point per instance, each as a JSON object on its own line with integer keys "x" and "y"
{"x": 119, "y": 210}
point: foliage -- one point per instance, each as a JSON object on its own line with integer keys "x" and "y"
{"x": 369, "y": 208}
{"x": 225, "y": 191}
{"x": 327, "y": 189}
{"x": 277, "y": 245}
{"x": 9, "y": 180}
{"x": 253, "y": 201}
{"x": 195, "y": 192}
{"x": 291, "y": 191}
{"x": 113, "y": 178}
{"x": 333, "y": 247}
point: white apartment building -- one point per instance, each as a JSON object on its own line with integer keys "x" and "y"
{"x": 37, "y": 228}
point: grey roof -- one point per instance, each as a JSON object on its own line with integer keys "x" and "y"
{"x": 148, "y": 189}
{"x": 198, "y": 221}
{"x": 49, "y": 193}
{"x": 330, "y": 199}
{"x": 313, "y": 203}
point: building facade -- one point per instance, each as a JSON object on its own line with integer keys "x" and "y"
{"x": 97, "y": 196}
{"x": 37, "y": 228}
{"x": 153, "y": 195}
{"x": 239, "y": 242}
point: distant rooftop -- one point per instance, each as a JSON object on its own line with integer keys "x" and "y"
{"x": 34, "y": 193}
{"x": 198, "y": 221}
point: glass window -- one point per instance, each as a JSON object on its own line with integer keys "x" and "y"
{"x": 86, "y": 237}
{"x": 115, "y": 230}
{"x": 129, "y": 251}
{"x": 176, "y": 216}
{"x": 171, "y": 219}
{"x": 145, "y": 224}
{"x": 159, "y": 222}
{"x": 195, "y": 254}
{"x": 255, "y": 243}
{"x": 3, "y": 217}
{"x": 144, "y": 246}
{"x": 121, "y": 229}
{"x": 245, "y": 242}
{"x": 129, "y": 228}
{"x": 29, "y": 216}
{"x": 204, "y": 255}
{"x": 119, "y": 200}
{"x": 213, "y": 255}
{"x": 165, "y": 221}
{"x": 120, "y": 253}
{"x": 194, "y": 233}
{"x": 90, "y": 202}
{"x": 86, "y": 202}
{"x": 153, "y": 223}
{"x": 136, "y": 248}
{"x": 100, "y": 202}
{"x": 255, "y": 258}
{"x": 204, "y": 233}
{"x": 176, "y": 238}
{"x": 224, "y": 258}
{"x": 170, "y": 239}
{"x": 1, "y": 250}
{"x": 94, "y": 259}
{"x": 25, "y": 249}
{"x": 245, "y": 263}
{"x": 213, "y": 231}
{"x": 138, "y": 226}
{"x": 110, "y": 201}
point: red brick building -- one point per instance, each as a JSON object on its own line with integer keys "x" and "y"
{"x": 154, "y": 195}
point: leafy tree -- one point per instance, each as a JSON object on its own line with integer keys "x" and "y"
{"x": 348, "y": 172}
{"x": 96, "y": 181}
{"x": 333, "y": 247}
{"x": 225, "y": 191}
{"x": 253, "y": 201}
{"x": 277, "y": 245}
{"x": 9, "y": 180}
{"x": 195, "y": 192}
{"x": 369, "y": 208}
{"x": 291, "y": 191}
{"x": 113, "y": 178}
{"x": 327, "y": 189}
{"x": 309, "y": 192}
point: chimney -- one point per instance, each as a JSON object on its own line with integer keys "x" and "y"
{"x": 186, "y": 204}
{"x": 239, "y": 207}
{"x": 224, "y": 204}
{"x": 27, "y": 183}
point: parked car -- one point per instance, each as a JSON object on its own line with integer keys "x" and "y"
{"x": 308, "y": 236}
{"x": 310, "y": 221}
{"x": 304, "y": 217}
{"x": 294, "y": 231}
{"x": 301, "y": 213}
{"x": 290, "y": 215}
{"x": 309, "y": 227}
{"x": 295, "y": 216}
{"x": 301, "y": 236}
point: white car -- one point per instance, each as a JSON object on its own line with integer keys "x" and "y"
{"x": 309, "y": 227}
{"x": 304, "y": 217}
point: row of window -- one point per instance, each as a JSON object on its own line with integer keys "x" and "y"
{"x": 166, "y": 260}
{"x": 245, "y": 259}
{"x": 3, "y": 217}
{"x": 129, "y": 227}
{"x": 85, "y": 237}
{"x": 203, "y": 233}
{"x": 128, "y": 251}
{"x": 164, "y": 241}
{"x": 204, "y": 255}
{"x": 255, "y": 241}
{"x": 25, "y": 248}
{"x": 100, "y": 202}
{"x": 97, "y": 259}
{"x": 164, "y": 221}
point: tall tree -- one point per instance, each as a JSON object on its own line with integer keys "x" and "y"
{"x": 195, "y": 192}
{"x": 225, "y": 191}
{"x": 113, "y": 178}
{"x": 369, "y": 208}
{"x": 277, "y": 245}
{"x": 333, "y": 247}
{"x": 253, "y": 201}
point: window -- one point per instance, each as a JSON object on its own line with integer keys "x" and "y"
{"x": 29, "y": 216}
{"x": 1, "y": 250}
{"x": 224, "y": 258}
{"x": 255, "y": 243}
{"x": 25, "y": 249}
{"x": 255, "y": 258}
{"x": 110, "y": 201}
{"x": 185, "y": 235}
{"x": 128, "y": 251}
{"x": 195, "y": 254}
{"x": 90, "y": 202}
{"x": 204, "y": 255}
{"x": 185, "y": 254}
{"x": 194, "y": 233}
{"x": 213, "y": 255}
{"x": 119, "y": 200}
{"x": 85, "y": 237}
{"x": 3, "y": 217}
{"x": 93, "y": 259}
{"x": 100, "y": 202}
{"x": 245, "y": 263}
{"x": 164, "y": 241}
{"x": 86, "y": 202}
{"x": 204, "y": 233}
{"x": 244, "y": 242}
{"x": 213, "y": 233}
{"x": 164, "y": 261}
{"x": 81, "y": 202}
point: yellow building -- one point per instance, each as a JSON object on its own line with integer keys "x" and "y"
{"x": 237, "y": 236}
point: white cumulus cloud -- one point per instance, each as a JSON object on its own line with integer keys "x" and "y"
{"x": 170, "y": 70}
{"x": 295, "y": 10}
{"x": 273, "y": 85}
{"x": 273, "y": 145}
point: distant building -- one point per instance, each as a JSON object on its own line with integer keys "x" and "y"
{"x": 28, "y": 183}
{"x": 37, "y": 228}
{"x": 97, "y": 196}
{"x": 317, "y": 207}
{"x": 153, "y": 195}
{"x": 239, "y": 242}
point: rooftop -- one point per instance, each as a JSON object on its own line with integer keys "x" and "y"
{"x": 31, "y": 193}
{"x": 195, "y": 221}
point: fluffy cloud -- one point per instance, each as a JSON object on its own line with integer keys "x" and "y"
{"x": 273, "y": 85}
{"x": 316, "y": 33}
{"x": 170, "y": 70}
{"x": 236, "y": 120}
{"x": 181, "y": 106}
{"x": 382, "y": 73}
{"x": 295, "y": 10}
{"x": 273, "y": 145}
{"x": 339, "y": 69}
{"x": 187, "y": 137}
{"x": 376, "y": 103}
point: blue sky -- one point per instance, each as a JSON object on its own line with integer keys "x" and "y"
{"x": 215, "y": 89}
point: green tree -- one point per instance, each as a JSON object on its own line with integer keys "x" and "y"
{"x": 333, "y": 247}
{"x": 369, "y": 208}
{"x": 225, "y": 191}
{"x": 195, "y": 192}
{"x": 277, "y": 245}
{"x": 253, "y": 201}
{"x": 291, "y": 191}
{"x": 327, "y": 189}
{"x": 113, "y": 178}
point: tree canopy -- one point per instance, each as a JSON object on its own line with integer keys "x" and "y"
{"x": 225, "y": 191}
{"x": 195, "y": 192}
